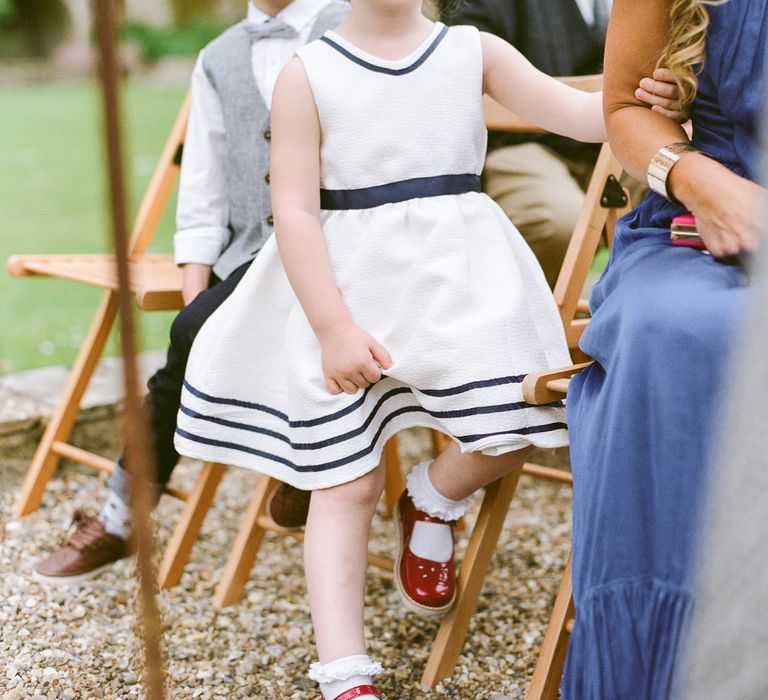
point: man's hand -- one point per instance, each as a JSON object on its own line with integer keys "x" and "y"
{"x": 662, "y": 94}
{"x": 352, "y": 359}
{"x": 195, "y": 279}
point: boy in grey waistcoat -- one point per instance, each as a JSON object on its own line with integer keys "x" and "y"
{"x": 223, "y": 218}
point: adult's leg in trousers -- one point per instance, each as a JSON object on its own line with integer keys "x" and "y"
{"x": 162, "y": 402}
{"x": 538, "y": 192}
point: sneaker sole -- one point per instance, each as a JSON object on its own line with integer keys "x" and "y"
{"x": 78, "y": 578}
{"x": 409, "y": 603}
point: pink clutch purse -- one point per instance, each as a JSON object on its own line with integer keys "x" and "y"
{"x": 685, "y": 233}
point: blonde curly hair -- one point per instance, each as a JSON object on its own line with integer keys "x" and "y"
{"x": 686, "y": 50}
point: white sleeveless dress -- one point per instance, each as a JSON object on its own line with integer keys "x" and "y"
{"x": 427, "y": 264}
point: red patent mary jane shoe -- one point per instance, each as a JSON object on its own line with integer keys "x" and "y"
{"x": 427, "y": 587}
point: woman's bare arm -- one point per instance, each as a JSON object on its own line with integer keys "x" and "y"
{"x": 724, "y": 204}
{"x": 636, "y": 38}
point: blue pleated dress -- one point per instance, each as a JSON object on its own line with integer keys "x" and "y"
{"x": 643, "y": 418}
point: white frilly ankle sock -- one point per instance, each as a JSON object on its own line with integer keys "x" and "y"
{"x": 432, "y": 541}
{"x": 340, "y": 675}
{"x": 427, "y": 498}
{"x": 116, "y": 516}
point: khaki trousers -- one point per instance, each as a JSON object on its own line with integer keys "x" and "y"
{"x": 542, "y": 193}
{"x": 539, "y": 191}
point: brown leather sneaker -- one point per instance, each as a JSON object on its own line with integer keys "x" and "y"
{"x": 289, "y": 506}
{"x": 87, "y": 550}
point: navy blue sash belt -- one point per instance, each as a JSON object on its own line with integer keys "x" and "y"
{"x": 369, "y": 197}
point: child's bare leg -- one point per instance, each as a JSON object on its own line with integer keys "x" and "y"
{"x": 335, "y": 562}
{"x": 438, "y": 493}
{"x": 457, "y": 476}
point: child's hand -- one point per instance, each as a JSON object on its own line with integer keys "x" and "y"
{"x": 195, "y": 279}
{"x": 352, "y": 359}
{"x": 662, "y": 93}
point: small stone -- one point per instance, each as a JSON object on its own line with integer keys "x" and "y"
{"x": 130, "y": 679}
{"x": 50, "y": 674}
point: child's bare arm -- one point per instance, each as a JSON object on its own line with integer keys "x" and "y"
{"x": 511, "y": 80}
{"x": 515, "y": 83}
{"x": 295, "y": 179}
{"x": 351, "y": 357}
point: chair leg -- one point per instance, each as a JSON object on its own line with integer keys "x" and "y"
{"x": 549, "y": 666}
{"x": 394, "y": 483}
{"x": 482, "y": 545}
{"x": 439, "y": 441}
{"x": 247, "y": 544}
{"x": 187, "y": 528}
{"x": 61, "y": 423}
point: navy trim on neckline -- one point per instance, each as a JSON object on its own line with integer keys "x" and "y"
{"x": 381, "y": 69}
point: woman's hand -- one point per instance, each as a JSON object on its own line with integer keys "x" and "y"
{"x": 663, "y": 95}
{"x": 729, "y": 210}
{"x": 352, "y": 359}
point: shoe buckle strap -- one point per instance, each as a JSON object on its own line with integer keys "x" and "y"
{"x": 358, "y": 691}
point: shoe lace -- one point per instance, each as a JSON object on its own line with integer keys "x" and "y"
{"x": 88, "y": 534}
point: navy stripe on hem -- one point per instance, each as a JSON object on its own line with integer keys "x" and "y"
{"x": 343, "y": 461}
{"x": 514, "y": 379}
{"x": 382, "y": 69}
{"x": 480, "y": 384}
{"x": 356, "y": 432}
{"x": 400, "y": 191}
{"x": 529, "y": 430}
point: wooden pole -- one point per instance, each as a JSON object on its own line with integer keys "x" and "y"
{"x": 138, "y": 452}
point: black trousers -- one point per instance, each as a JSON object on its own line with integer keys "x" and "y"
{"x": 162, "y": 402}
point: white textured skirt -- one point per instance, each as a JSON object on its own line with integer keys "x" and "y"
{"x": 451, "y": 290}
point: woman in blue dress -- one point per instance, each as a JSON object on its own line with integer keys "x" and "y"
{"x": 643, "y": 417}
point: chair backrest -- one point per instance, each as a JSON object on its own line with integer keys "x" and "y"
{"x": 604, "y": 203}
{"x": 161, "y": 185}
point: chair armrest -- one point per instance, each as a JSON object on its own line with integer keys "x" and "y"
{"x": 544, "y": 387}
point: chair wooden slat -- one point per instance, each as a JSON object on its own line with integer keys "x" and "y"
{"x": 155, "y": 279}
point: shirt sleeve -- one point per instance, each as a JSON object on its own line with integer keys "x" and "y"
{"x": 202, "y": 211}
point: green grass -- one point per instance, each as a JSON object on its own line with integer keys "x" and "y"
{"x": 52, "y": 200}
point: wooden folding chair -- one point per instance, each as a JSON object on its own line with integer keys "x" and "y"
{"x": 604, "y": 202}
{"x": 156, "y": 282}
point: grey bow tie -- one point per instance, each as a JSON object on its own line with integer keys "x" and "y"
{"x": 270, "y": 28}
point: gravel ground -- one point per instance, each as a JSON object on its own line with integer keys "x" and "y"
{"x": 81, "y": 642}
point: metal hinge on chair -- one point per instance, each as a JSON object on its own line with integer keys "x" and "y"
{"x": 613, "y": 196}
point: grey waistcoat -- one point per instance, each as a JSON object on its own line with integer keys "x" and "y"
{"x": 227, "y": 64}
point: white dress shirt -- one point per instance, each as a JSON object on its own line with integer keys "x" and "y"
{"x": 202, "y": 210}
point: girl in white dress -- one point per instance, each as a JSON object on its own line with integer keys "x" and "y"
{"x": 401, "y": 296}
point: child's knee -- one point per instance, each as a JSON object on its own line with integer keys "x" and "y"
{"x": 363, "y": 491}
